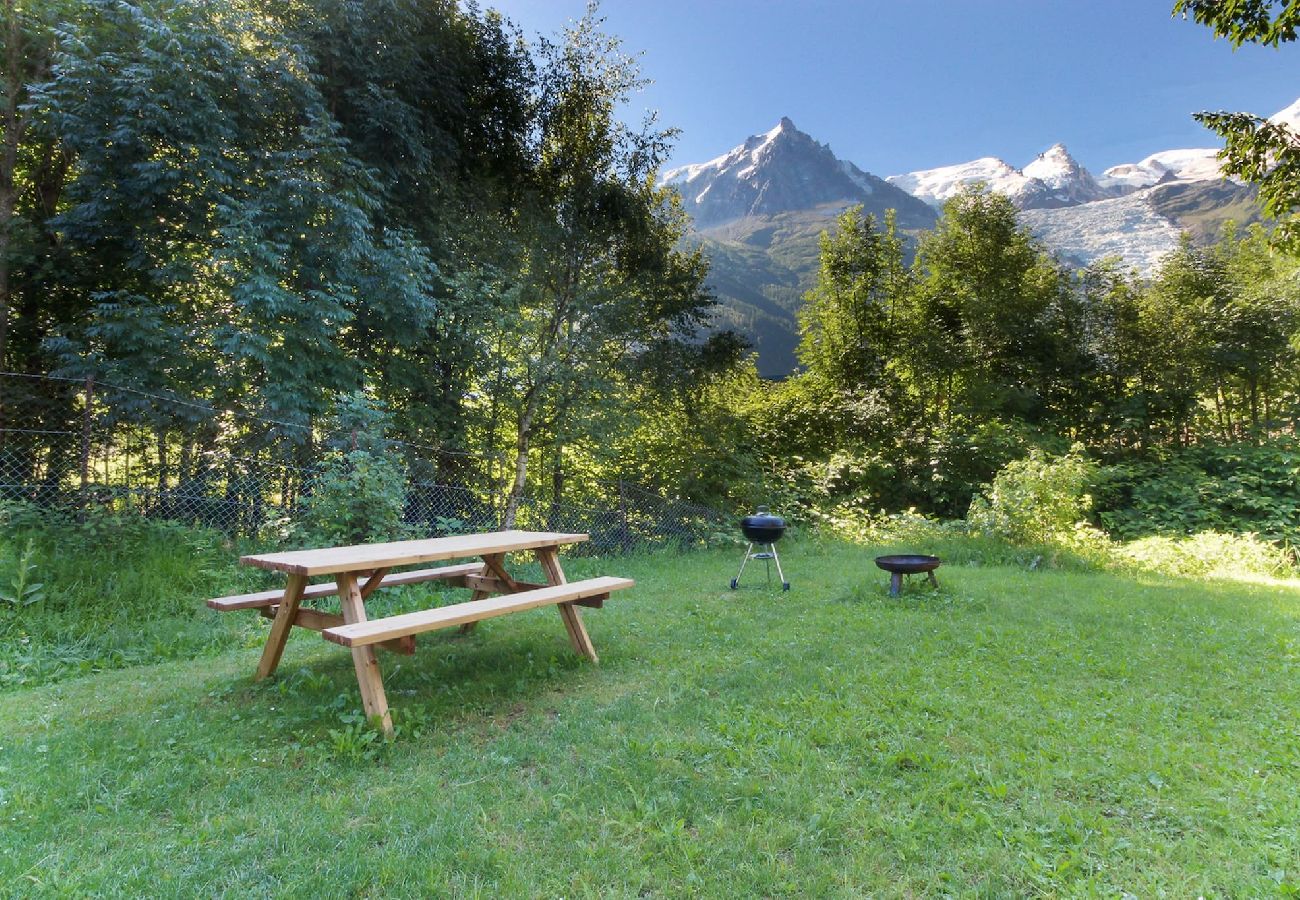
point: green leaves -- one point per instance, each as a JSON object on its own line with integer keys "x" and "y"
{"x": 1260, "y": 151}
{"x": 22, "y": 590}
{"x": 1245, "y": 21}
{"x": 359, "y": 494}
{"x": 1038, "y": 499}
{"x": 1267, "y": 154}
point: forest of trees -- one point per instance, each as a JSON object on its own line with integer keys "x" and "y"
{"x": 263, "y": 207}
{"x": 922, "y": 381}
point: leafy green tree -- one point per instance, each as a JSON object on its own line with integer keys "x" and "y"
{"x": 847, "y": 328}
{"x": 984, "y": 289}
{"x": 234, "y": 232}
{"x": 1118, "y": 393}
{"x": 435, "y": 99}
{"x": 359, "y": 494}
{"x": 602, "y": 285}
{"x": 1252, "y": 334}
{"x": 1262, "y": 152}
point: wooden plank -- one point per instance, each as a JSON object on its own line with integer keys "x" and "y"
{"x": 578, "y": 637}
{"x": 328, "y": 561}
{"x": 374, "y": 581}
{"x": 490, "y": 584}
{"x": 306, "y": 617}
{"x": 364, "y": 660}
{"x": 454, "y": 575}
{"x": 263, "y": 599}
{"x": 496, "y": 564}
{"x": 353, "y": 635}
{"x": 316, "y": 620}
{"x": 284, "y": 617}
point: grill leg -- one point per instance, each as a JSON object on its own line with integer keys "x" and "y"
{"x": 735, "y": 582}
{"x": 785, "y": 585}
{"x": 895, "y": 584}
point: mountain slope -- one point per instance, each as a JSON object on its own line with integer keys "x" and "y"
{"x": 759, "y": 210}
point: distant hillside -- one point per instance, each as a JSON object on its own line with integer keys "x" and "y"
{"x": 1202, "y": 208}
{"x": 762, "y": 266}
{"x": 760, "y": 210}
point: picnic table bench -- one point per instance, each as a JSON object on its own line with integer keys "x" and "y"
{"x": 360, "y": 570}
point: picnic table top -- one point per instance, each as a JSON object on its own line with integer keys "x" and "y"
{"x": 329, "y": 560}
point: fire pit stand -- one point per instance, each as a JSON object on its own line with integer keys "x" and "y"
{"x": 907, "y": 564}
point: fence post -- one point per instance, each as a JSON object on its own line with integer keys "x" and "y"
{"x": 85, "y": 446}
{"x": 625, "y": 539}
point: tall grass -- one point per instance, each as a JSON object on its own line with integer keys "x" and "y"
{"x": 116, "y": 592}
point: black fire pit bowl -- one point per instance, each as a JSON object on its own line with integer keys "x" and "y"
{"x": 907, "y": 564}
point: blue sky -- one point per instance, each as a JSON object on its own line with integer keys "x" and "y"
{"x": 897, "y": 86}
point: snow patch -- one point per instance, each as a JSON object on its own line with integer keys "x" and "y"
{"x": 1127, "y": 227}
{"x": 857, "y": 176}
{"x": 935, "y": 186}
{"x": 1289, "y": 116}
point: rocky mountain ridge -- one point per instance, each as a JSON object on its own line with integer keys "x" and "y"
{"x": 784, "y": 170}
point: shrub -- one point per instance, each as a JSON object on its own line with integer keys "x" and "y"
{"x": 1230, "y": 488}
{"x": 360, "y": 494}
{"x": 1036, "y": 500}
{"x": 1207, "y": 553}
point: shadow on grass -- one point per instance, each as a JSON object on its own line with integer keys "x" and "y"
{"x": 451, "y": 680}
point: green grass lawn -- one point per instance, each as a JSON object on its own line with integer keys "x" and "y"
{"x": 1017, "y": 732}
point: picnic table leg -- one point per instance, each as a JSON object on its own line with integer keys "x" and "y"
{"x": 280, "y": 627}
{"x": 550, "y": 561}
{"x": 369, "y": 679}
{"x": 477, "y": 595}
{"x": 496, "y": 564}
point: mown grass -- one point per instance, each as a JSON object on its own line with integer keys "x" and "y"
{"x": 1016, "y": 732}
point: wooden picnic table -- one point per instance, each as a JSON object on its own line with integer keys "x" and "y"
{"x": 360, "y": 570}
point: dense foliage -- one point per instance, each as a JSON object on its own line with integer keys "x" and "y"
{"x": 1261, "y": 151}
{"x": 262, "y": 207}
{"x": 259, "y": 206}
{"x": 923, "y": 382}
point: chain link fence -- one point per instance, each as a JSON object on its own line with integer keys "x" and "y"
{"x": 77, "y": 447}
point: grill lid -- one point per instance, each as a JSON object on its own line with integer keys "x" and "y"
{"x": 762, "y": 526}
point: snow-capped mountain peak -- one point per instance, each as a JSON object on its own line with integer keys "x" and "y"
{"x": 1186, "y": 165}
{"x": 935, "y": 186}
{"x": 747, "y": 155}
{"x": 1289, "y": 116}
{"x": 782, "y": 169}
{"x": 1054, "y": 166}
{"x": 1053, "y": 179}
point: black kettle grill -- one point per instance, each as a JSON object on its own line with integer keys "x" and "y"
{"x": 762, "y": 528}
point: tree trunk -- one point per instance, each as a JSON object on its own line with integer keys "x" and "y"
{"x": 557, "y": 487}
{"x": 8, "y": 167}
{"x": 523, "y": 437}
{"x": 1254, "y": 405}
{"x": 162, "y": 464}
{"x": 1268, "y": 412}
